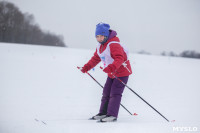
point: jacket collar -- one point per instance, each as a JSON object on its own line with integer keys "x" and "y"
{"x": 112, "y": 37}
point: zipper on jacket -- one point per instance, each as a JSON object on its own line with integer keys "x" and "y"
{"x": 101, "y": 50}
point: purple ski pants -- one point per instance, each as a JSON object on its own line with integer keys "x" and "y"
{"x": 112, "y": 93}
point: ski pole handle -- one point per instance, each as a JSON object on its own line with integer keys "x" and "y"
{"x": 102, "y": 69}
{"x": 80, "y": 68}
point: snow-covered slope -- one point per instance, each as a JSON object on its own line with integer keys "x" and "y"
{"x": 42, "y": 91}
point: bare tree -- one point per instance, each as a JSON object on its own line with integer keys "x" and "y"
{"x": 18, "y": 27}
{"x": 190, "y": 54}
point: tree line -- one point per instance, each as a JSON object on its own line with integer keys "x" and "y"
{"x": 186, "y": 54}
{"x": 18, "y": 27}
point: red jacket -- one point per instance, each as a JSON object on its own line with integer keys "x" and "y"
{"x": 119, "y": 56}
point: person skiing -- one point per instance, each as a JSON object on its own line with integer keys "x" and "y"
{"x": 115, "y": 60}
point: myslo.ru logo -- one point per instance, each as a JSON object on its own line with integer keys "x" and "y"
{"x": 185, "y": 129}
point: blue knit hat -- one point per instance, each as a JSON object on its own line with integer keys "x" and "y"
{"x": 102, "y": 29}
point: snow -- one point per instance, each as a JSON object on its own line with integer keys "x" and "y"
{"x": 42, "y": 91}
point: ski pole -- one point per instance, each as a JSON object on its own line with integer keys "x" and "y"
{"x": 102, "y": 87}
{"x": 138, "y": 96}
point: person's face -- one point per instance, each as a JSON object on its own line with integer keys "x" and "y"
{"x": 100, "y": 38}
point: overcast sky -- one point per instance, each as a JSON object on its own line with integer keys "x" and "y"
{"x": 150, "y": 25}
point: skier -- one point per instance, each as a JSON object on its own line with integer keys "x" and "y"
{"x": 115, "y": 59}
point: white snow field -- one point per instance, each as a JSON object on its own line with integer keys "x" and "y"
{"x": 42, "y": 91}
